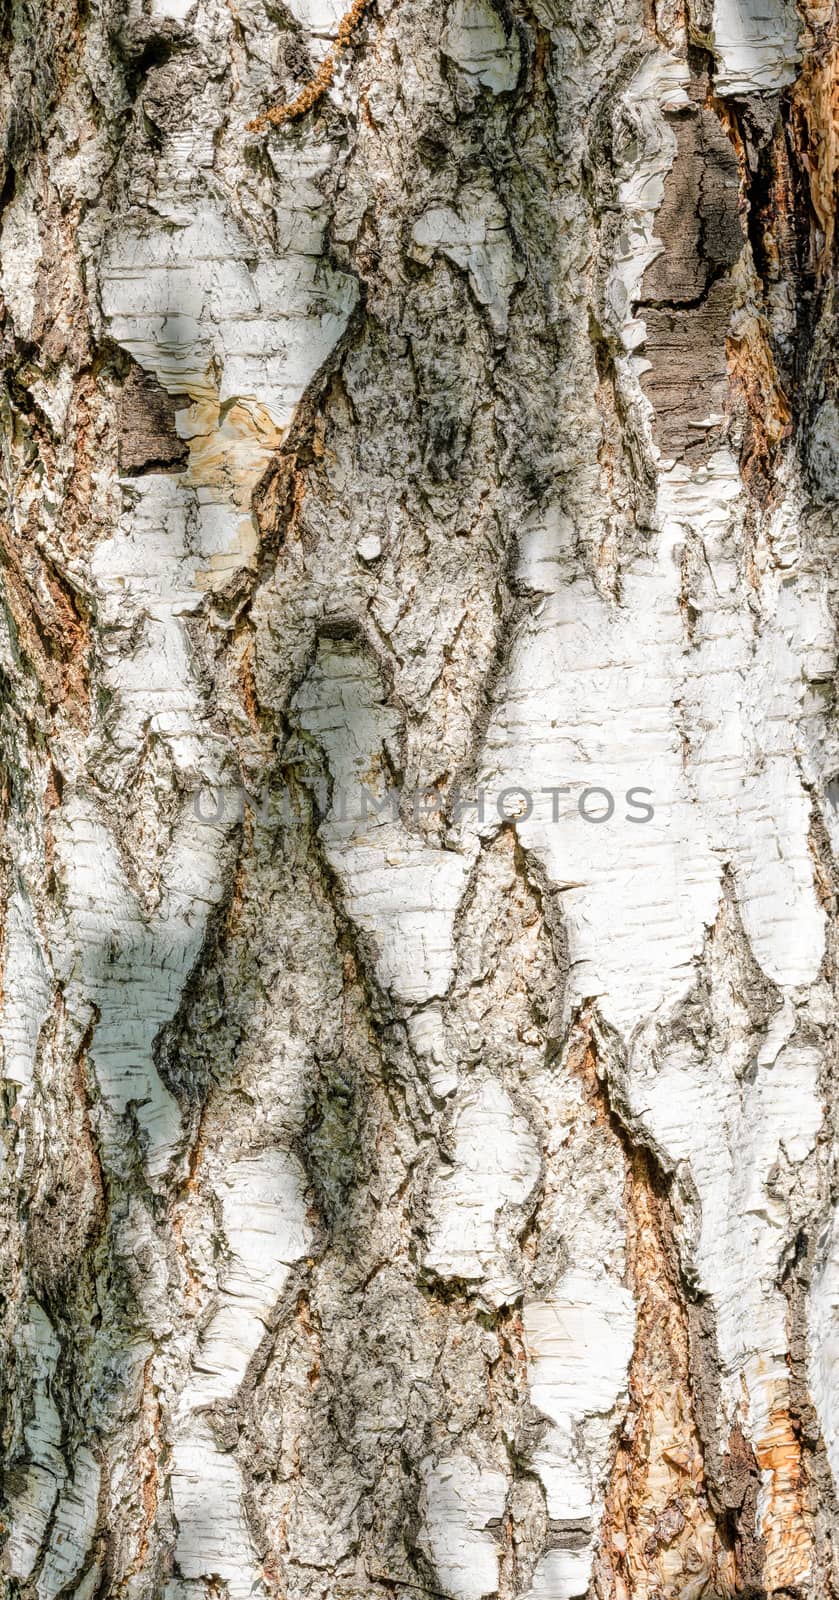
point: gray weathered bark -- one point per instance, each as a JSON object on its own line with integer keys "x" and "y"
{"x": 411, "y": 1186}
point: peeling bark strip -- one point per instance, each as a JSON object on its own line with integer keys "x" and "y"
{"x": 419, "y": 1199}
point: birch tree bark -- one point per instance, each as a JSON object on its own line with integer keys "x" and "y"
{"x": 419, "y": 772}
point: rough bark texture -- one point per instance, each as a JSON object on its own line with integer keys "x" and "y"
{"x": 427, "y": 1201}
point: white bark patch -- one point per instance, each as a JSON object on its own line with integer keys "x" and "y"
{"x": 30, "y": 1506}
{"x": 266, "y": 1231}
{"x": 732, "y": 1133}
{"x": 241, "y": 334}
{"x": 213, "y": 1540}
{"x": 823, "y": 1342}
{"x": 131, "y": 966}
{"x": 461, "y": 1498}
{"x": 579, "y": 1345}
{"x": 73, "y": 1528}
{"x": 476, "y": 1202}
{"x": 26, "y": 992}
{"x": 319, "y": 16}
{"x": 476, "y": 239}
{"x": 131, "y": 953}
{"x": 428, "y": 1039}
{"x": 54, "y": 396}
{"x": 475, "y": 39}
{"x": 401, "y": 891}
{"x": 177, "y": 10}
{"x": 743, "y": 698}
{"x": 20, "y": 258}
{"x": 658, "y": 85}
{"x": 147, "y": 580}
{"x": 755, "y": 45}
{"x": 588, "y": 701}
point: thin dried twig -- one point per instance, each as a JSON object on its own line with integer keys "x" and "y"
{"x": 318, "y": 85}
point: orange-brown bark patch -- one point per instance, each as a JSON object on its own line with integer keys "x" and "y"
{"x": 785, "y": 1528}
{"x": 753, "y": 375}
{"x": 814, "y": 130}
{"x": 660, "y": 1538}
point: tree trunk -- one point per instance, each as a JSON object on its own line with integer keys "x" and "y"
{"x": 419, "y": 765}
